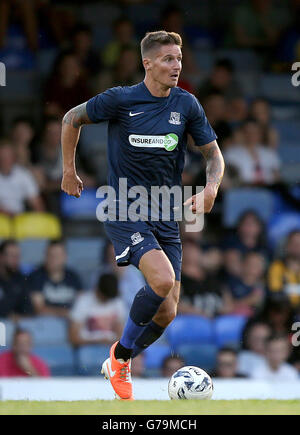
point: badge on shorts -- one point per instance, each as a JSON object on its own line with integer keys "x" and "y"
{"x": 175, "y": 118}
{"x": 136, "y": 238}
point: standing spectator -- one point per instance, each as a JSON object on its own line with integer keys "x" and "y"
{"x": 98, "y": 316}
{"x": 275, "y": 367}
{"x": 20, "y": 362}
{"x": 246, "y": 292}
{"x": 227, "y": 366}
{"x": 17, "y": 185}
{"x": 14, "y": 299}
{"x": 255, "y": 337}
{"x": 66, "y": 87}
{"x": 256, "y": 163}
{"x": 171, "y": 364}
{"x": 53, "y": 286}
{"x": 284, "y": 274}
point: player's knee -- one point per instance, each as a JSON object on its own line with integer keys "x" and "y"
{"x": 164, "y": 283}
{"x": 166, "y": 315}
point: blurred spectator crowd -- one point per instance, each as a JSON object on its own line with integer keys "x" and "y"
{"x": 63, "y": 300}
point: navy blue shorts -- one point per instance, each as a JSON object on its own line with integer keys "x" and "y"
{"x": 131, "y": 240}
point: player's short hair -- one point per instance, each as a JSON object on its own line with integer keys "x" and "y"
{"x": 153, "y": 40}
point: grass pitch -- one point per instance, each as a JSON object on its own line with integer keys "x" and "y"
{"x": 152, "y": 407}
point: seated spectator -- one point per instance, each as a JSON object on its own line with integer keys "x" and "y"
{"x": 220, "y": 81}
{"x": 237, "y": 112}
{"x": 257, "y": 24}
{"x": 17, "y": 185}
{"x": 130, "y": 279}
{"x": 172, "y": 20}
{"x": 249, "y": 235}
{"x": 215, "y": 109}
{"x": 278, "y": 312}
{"x": 260, "y": 111}
{"x": 20, "y": 362}
{"x": 14, "y": 298}
{"x": 245, "y": 294}
{"x": 98, "y": 315}
{"x": 53, "y": 286}
{"x": 201, "y": 293}
{"x": 274, "y": 367}
{"x": 123, "y": 35}
{"x": 66, "y": 87}
{"x": 284, "y": 273}
{"x": 255, "y": 336}
{"x": 257, "y": 164}
{"x": 227, "y": 366}
{"x": 82, "y": 47}
{"x": 21, "y": 135}
{"x": 138, "y": 366}
{"x": 171, "y": 364}
{"x": 126, "y": 72}
{"x": 288, "y": 50}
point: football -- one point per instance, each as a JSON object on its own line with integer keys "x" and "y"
{"x": 190, "y": 383}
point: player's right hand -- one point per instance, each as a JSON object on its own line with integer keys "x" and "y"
{"x": 72, "y": 184}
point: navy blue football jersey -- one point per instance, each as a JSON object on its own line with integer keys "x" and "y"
{"x": 147, "y": 135}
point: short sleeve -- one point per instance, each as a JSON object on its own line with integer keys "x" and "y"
{"x": 29, "y": 185}
{"x": 198, "y": 125}
{"x": 104, "y": 106}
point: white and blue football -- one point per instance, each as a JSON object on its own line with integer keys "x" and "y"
{"x": 190, "y": 383}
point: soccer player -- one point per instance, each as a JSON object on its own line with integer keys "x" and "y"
{"x": 140, "y": 118}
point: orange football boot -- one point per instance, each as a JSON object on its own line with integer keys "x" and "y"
{"x": 119, "y": 374}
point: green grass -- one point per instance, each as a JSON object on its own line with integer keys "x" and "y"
{"x": 154, "y": 407}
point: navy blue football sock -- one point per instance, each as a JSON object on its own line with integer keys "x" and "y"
{"x": 144, "y": 307}
{"x": 151, "y": 333}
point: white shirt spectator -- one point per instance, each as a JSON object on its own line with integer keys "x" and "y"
{"x": 248, "y": 361}
{"x": 15, "y": 188}
{"x": 285, "y": 373}
{"x": 240, "y": 157}
{"x": 97, "y": 318}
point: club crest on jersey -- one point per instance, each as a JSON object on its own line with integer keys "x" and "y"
{"x": 175, "y": 118}
{"x": 136, "y": 238}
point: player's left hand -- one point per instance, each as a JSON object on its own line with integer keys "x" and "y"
{"x": 202, "y": 202}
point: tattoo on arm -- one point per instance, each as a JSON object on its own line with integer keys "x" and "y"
{"x": 77, "y": 116}
{"x": 214, "y": 163}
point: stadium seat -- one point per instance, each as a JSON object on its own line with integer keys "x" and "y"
{"x": 32, "y": 253}
{"x": 155, "y": 354}
{"x": 288, "y": 131}
{"x": 281, "y": 225}
{"x": 83, "y": 209}
{"x": 203, "y": 355}
{"x": 89, "y": 359}
{"x": 237, "y": 201}
{"x": 60, "y": 358}
{"x": 189, "y": 329}
{"x": 84, "y": 254}
{"x": 6, "y": 228}
{"x": 228, "y": 330}
{"x": 9, "y": 329}
{"x": 242, "y": 59}
{"x": 46, "y": 330}
{"x": 37, "y": 226}
{"x": 278, "y": 87}
{"x": 289, "y": 152}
